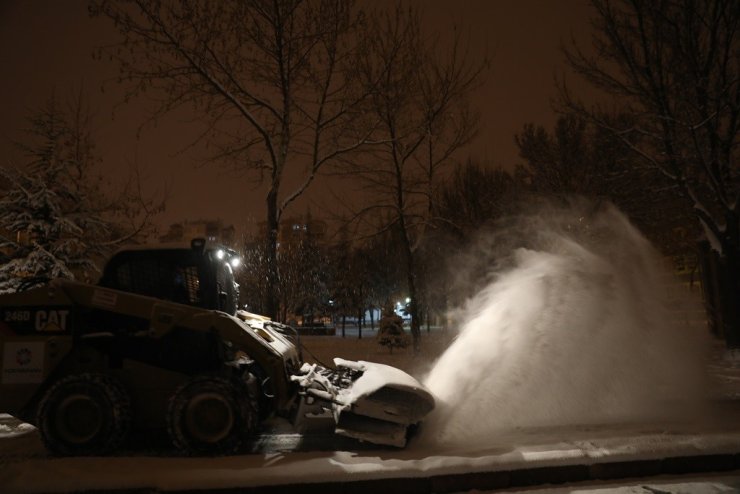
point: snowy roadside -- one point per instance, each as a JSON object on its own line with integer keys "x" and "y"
{"x": 684, "y": 484}
{"x": 518, "y": 458}
{"x": 582, "y": 452}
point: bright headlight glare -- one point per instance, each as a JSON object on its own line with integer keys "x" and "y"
{"x": 235, "y": 261}
{"x": 220, "y": 254}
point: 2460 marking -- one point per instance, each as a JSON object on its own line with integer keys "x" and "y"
{"x": 17, "y": 315}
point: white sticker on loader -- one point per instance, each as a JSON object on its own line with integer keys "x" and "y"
{"x": 23, "y": 362}
{"x": 104, "y": 298}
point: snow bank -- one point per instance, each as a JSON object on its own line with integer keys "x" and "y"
{"x": 578, "y": 331}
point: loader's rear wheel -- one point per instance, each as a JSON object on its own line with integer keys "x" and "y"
{"x": 84, "y": 415}
{"x": 211, "y": 416}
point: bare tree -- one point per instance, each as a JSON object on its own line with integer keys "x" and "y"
{"x": 418, "y": 94}
{"x": 383, "y": 278}
{"x": 270, "y": 79}
{"x": 674, "y": 66}
{"x": 303, "y": 276}
{"x": 579, "y": 158}
{"x": 474, "y": 196}
{"x": 565, "y": 161}
{"x": 253, "y": 278}
{"x": 469, "y": 203}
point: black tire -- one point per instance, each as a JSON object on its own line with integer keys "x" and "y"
{"x": 84, "y": 415}
{"x": 211, "y": 415}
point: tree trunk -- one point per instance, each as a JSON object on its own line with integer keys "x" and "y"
{"x": 413, "y": 305}
{"x": 359, "y": 325}
{"x": 731, "y": 291}
{"x": 372, "y": 318}
{"x": 728, "y": 281}
{"x": 730, "y": 285}
{"x": 411, "y": 280}
{"x": 344, "y": 324}
{"x": 271, "y": 298}
{"x": 722, "y": 294}
{"x": 721, "y": 290}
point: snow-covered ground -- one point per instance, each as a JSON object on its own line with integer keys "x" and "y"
{"x": 25, "y": 467}
{"x": 687, "y": 484}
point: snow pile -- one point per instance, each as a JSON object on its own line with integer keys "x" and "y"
{"x": 16, "y": 429}
{"x": 577, "y": 331}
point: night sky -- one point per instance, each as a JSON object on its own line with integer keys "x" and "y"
{"x": 47, "y": 45}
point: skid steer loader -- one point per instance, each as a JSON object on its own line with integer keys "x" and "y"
{"x": 159, "y": 343}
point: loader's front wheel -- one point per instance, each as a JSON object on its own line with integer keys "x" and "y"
{"x": 84, "y": 415}
{"x": 210, "y": 416}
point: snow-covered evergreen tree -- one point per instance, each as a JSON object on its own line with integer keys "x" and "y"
{"x": 55, "y": 220}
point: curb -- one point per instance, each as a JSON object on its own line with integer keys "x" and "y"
{"x": 494, "y": 480}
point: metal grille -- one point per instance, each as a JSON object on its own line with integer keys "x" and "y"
{"x": 187, "y": 285}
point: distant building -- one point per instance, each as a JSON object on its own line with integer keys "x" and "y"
{"x": 297, "y": 228}
{"x": 212, "y": 230}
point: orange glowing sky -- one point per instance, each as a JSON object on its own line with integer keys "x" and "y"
{"x": 46, "y": 45}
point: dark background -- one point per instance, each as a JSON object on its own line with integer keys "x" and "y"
{"x": 46, "y": 47}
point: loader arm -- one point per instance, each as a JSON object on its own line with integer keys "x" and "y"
{"x": 276, "y": 357}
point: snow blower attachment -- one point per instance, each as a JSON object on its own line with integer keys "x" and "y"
{"x": 370, "y": 402}
{"x": 159, "y": 343}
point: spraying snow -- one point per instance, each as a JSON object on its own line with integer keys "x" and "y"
{"x": 578, "y": 331}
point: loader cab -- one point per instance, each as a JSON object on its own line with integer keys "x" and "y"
{"x": 199, "y": 275}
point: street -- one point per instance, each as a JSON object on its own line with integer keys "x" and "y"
{"x": 280, "y": 458}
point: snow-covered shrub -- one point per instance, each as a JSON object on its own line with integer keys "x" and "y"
{"x": 390, "y": 332}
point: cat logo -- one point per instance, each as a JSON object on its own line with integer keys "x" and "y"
{"x": 51, "y": 320}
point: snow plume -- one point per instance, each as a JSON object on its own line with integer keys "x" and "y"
{"x": 576, "y": 330}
